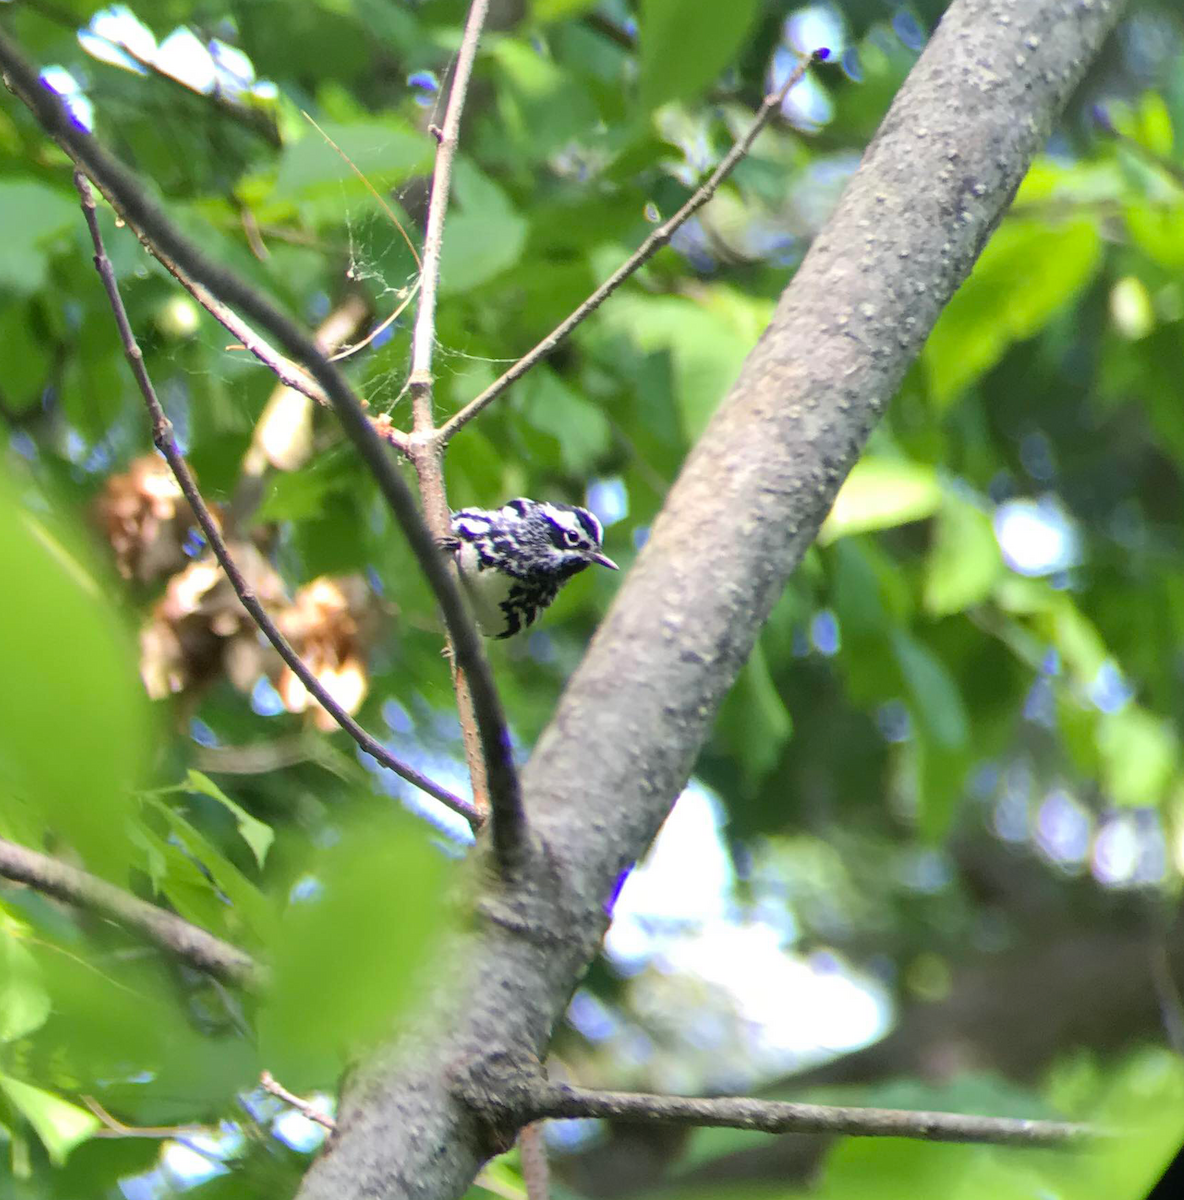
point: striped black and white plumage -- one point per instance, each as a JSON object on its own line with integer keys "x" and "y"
{"x": 513, "y": 560}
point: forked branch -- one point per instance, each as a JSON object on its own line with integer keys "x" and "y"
{"x": 144, "y": 214}
{"x": 490, "y": 765}
{"x": 162, "y": 436}
{"x": 652, "y": 244}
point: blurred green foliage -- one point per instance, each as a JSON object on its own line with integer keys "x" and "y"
{"x": 986, "y": 641}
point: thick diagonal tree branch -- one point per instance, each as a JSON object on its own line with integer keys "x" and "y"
{"x": 188, "y": 942}
{"x": 113, "y": 179}
{"x": 933, "y": 183}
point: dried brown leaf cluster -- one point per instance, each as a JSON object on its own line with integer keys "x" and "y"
{"x": 198, "y": 631}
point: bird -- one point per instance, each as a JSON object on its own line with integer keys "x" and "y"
{"x": 513, "y": 560}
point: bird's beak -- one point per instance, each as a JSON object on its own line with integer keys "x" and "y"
{"x": 603, "y": 560}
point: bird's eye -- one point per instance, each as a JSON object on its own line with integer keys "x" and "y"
{"x": 571, "y": 537}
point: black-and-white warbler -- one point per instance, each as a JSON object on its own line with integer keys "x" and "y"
{"x": 513, "y": 560}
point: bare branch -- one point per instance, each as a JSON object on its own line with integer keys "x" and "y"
{"x": 162, "y": 436}
{"x": 489, "y": 770}
{"x": 532, "y": 1152}
{"x": 423, "y": 338}
{"x": 773, "y": 1116}
{"x": 143, "y": 213}
{"x": 639, "y": 257}
{"x": 269, "y": 1083}
{"x": 188, "y": 942}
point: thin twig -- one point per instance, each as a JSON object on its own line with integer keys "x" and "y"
{"x": 772, "y": 1116}
{"x": 652, "y": 244}
{"x": 117, "y": 1128}
{"x": 143, "y": 213}
{"x": 172, "y": 933}
{"x": 423, "y": 338}
{"x": 532, "y": 1152}
{"x": 162, "y": 436}
{"x": 490, "y": 767}
{"x": 350, "y": 351}
{"x": 386, "y": 208}
{"x": 181, "y": 1134}
{"x": 269, "y": 1083}
{"x": 282, "y": 368}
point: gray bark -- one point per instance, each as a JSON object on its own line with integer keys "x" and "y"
{"x": 933, "y": 183}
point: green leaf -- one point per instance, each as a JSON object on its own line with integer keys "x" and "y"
{"x": 1058, "y": 620}
{"x": 933, "y": 691}
{"x": 543, "y": 106}
{"x": 708, "y": 345}
{"x": 248, "y": 906}
{"x": 1153, "y": 124}
{"x": 881, "y": 493}
{"x": 254, "y": 832}
{"x": 1028, "y": 272}
{"x": 1076, "y": 638}
{"x": 298, "y": 495}
{"x": 39, "y": 213}
{"x": 684, "y": 47}
{"x": 352, "y": 949}
{"x": 940, "y": 778}
{"x": 73, "y": 719}
{"x": 60, "y": 1125}
{"x": 1157, "y": 228}
{"x": 964, "y": 563}
{"x": 26, "y": 358}
{"x": 1139, "y": 753}
{"x": 555, "y": 10}
{"x": 753, "y": 721}
{"x": 24, "y": 1002}
{"x": 483, "y": 239}
{"x": 580, "y": 428}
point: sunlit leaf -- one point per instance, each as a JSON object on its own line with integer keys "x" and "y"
{"x": 1158, "y": 230}
{"x": 1139, "y": 754}
{"x": 965, "y": 561}
{"x": 1026, "y": 274}
{"x": 197, "y": 864}
{"x": 24, "y": 1002}
{"x": 881, "y": 494}
{"x": 59, "y": 1124}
